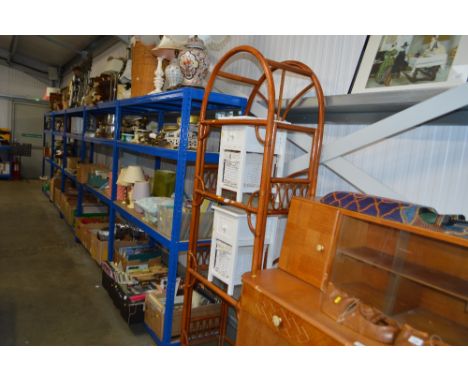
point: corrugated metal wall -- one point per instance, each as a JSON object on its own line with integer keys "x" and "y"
{"x": 16, "y": 83}
{"x": 427, "y": 165}
{"x": 333, "y": 58}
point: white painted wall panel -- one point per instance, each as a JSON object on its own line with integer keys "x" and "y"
{"x": 333, "y": 58}
{"x": 16, "y": 83}
{"x": 5, "y": 113}
{"x": 427, "y": 165}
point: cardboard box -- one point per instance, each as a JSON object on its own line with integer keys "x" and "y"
{"x": 57, "y": 197}
{"x": 72, "y": 163}
{"x": 53, "y": 192}
{"x": 99, "y": 249}
{"x": 83, "y": 170}
{"x": 69, "y": 208}
{"x": 124, "y": 262}
{"x": 204, "y": 317}
{"x": 83, "y": 225}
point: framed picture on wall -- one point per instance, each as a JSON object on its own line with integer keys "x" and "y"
{"x": 390, "y": 63}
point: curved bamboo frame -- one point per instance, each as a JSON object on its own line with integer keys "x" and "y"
{"x": 273, "y": 122}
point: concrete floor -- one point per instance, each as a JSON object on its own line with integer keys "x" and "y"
{"x": 50, "y": 288}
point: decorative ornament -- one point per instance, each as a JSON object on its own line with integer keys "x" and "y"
{"x": 194, "y": 62}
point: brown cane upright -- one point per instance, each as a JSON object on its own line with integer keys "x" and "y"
{"x": 274, "y": 194}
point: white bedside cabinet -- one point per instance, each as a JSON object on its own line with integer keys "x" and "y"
{"x": 232, "y": 245}
{"x": 241, "y": 157}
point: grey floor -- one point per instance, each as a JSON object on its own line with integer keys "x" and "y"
{"x": 50, "y": 288}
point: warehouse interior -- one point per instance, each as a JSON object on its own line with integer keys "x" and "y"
{"x": 221, "y": 193}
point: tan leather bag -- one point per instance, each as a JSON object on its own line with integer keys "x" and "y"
{"x": 410, "y": 336}
{"x": 371, "y": 323}
{"x": 335, "y": 302}
{"x": 359, "y": 317}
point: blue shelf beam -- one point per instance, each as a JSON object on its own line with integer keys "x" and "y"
{"x": 103, "y": 198}
{"x": 69, "y": 175}
{"x": 100, "y": 141}
{"x": 165, "y": 153}
{"x": 52, "y": 163}
{"x": 76, "y": 137}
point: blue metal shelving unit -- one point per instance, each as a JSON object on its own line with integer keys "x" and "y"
{"x": 183, "y": 102}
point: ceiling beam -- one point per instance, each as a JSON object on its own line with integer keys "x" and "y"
{"x": 21, "y": 59}
{"x": 13, "y": 47}
{"x": 99, "y": 45}
{"x": 25, "y": 64}
{"x": 62, "y": 44}
{"x": 40, "y": 76}
{"x": 124, "y": 39}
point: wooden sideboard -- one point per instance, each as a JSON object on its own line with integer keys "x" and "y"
{"x": 413, "y": 275}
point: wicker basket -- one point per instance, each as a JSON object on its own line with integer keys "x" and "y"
{"x": 143, "y": 67}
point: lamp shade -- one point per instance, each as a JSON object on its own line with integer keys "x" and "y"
{"x": 120, "y": 179}
{"x": 166, "y": 48}
{"x": 133, "y": 174}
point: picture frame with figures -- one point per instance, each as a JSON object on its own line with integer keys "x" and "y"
{"x": 391, "y": 63}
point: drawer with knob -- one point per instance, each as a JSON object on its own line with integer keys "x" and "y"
{"x": 243, "y": 138}
{"x": 280, "y": 321}
{"x": 230, "y": 225}
{"x": 308, "y": 240}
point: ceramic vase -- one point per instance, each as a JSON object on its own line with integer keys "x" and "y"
{"x": 173, "y": 74}
{"x": 194, "y": 62}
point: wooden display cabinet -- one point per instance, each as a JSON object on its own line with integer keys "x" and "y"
{"x": 413, "y": 275}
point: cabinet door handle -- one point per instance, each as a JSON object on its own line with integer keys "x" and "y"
{"x": 320, "y": 247}
{"x": 276, "y": 321}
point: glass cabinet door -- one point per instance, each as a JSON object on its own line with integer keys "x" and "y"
{"x": 416, "y": 280}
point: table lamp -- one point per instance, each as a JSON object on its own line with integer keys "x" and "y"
{"x": 132, "y": 175}
{"x": 167, "y": 49}
{"x": 121, "y": 186}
